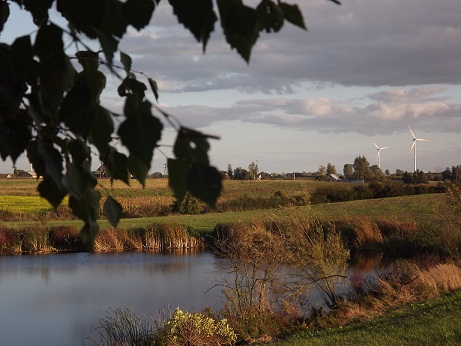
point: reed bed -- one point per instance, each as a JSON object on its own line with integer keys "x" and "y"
{"x": 170, "y": 236}
{"x": 157, "y": 237}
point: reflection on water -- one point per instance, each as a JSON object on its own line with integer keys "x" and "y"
{"x": 57, "y": 299}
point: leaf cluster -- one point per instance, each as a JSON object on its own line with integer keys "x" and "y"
{"x": 51, "y": 83}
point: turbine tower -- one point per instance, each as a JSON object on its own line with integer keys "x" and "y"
{"x": 413, "y": 146}
{"x": 379, "y": 153}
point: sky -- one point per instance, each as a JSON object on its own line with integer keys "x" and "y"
{"x": 362, "y": 73}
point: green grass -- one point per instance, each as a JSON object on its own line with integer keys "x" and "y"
{"x": 24, "y": 204}
{"x": 432, "y": 322}
{"x": 418, "y": 206}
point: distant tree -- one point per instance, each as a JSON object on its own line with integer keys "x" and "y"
{"x": 240, "y": 174}
{"x": 387, "y": 172}
{"x": 446, "y": 174}
{"x": 348, "y": 171}
{"x": 399, "y": 172}
{"x": 253, "y": 171}
{"x": 156, "y": 175}
{"x": 362, "y": 170}
{"x": 331, "y": 169}
{"x": 455, "y": 173}
{"x": 321, "y": 174}
{"x": 377, "y": 174}
{"x": 322, "y": 170}
{"x": 418, "y": 177}
{"x": 407, "y": 178}
{"x": 230, "y": 173}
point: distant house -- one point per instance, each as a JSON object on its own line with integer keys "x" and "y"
{"x": 19, "y": 173}
{"x": 333, "y": 177}
{"x": 29, "y": 174}
{"x": 102, "y": 172}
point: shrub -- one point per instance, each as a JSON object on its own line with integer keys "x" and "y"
{"x": 184, "y": 328}
{"x": 189, "y": 205}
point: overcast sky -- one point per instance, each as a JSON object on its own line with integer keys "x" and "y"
{"x": 362, "y": 73}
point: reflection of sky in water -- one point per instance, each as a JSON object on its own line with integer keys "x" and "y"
{"x": 57, "y": 299}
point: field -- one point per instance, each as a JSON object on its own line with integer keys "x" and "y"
{"x": 410, "y": 226}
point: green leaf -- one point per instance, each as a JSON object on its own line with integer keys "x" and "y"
{"x": 154, "y": 87}
{"x": 55, "y": 71}
{"x": 49, "y": 46}
{"x": 126, "y": 62}
{"x": 141, "y": 131}
{"x": 15, "y": 135}
{"x": 109, "y": 45}
{"x": 138, "y": 12}
{"x": 80, "y": 106}
{"x": 191, "y": 146}
{"x": 197, "y": 16}
{"x": 88, "y": 59}
{"x": 79, "y": 151}
{"x": 38, "y": 9}
{"x": 53, "y": 193}
{"x": 114, "y": 22}
{"x": 270, "y": 16}
{"x": 240, "y": 25}
{"x": 52, "y": 159}
{"x": 88, "y": 234}
{"x": 86, "y": 205}
{"x": 112, "y": 210}
{"x": 22, "y": 55}
{"x": 138, "y": 169}
{"x": 36, "y": 159}
{"x": 293, "y": 14}
{"x": 102, "y": 129}
{"x": 4, "y": 14}
{"x": 132, "y": 86}
{"x": 79, "y": 178}
{"x": 177, "y": 172}
{"x": 204, "y": 182}
{"x": 117, "y": 164}
{"x": 84, "y": 15}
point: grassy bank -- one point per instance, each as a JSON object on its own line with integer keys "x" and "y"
{"x": 432, "y": 322}
{"x": 410, "y": 224}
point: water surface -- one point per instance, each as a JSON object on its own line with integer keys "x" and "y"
{"x": 58, "y": 299}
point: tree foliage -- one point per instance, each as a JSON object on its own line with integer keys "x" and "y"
{"x": 51, "y": 83}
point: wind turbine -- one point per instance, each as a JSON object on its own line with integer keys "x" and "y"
{"x": 379, "y": 152}
{"x": 413, "y": 146}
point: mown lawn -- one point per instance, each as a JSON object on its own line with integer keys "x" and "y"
{"x": 433, "y": 322}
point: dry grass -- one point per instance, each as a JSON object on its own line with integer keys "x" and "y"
{"x": 407, "y": 282}
{"x": 438, "y": 279}
{"x": 114, "y": 240}
{"x": 146, "y": 206}
{"x": 170, "y": 236}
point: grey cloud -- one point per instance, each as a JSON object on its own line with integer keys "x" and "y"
{"x": 361, "y": 43}
{"x": 386, "y": 112}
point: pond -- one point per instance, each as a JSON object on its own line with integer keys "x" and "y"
{"x": 58, "y": 299}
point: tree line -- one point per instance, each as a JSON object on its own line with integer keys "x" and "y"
{"x": 359, "y": 170}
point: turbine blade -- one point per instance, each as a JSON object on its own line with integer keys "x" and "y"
{"x": 412, "y": 132}
{"x": 384, "y": 148}
{"x": 422, "y": 139}
{"x": 376, "y": 145}
{"x": 414, "y": 143}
